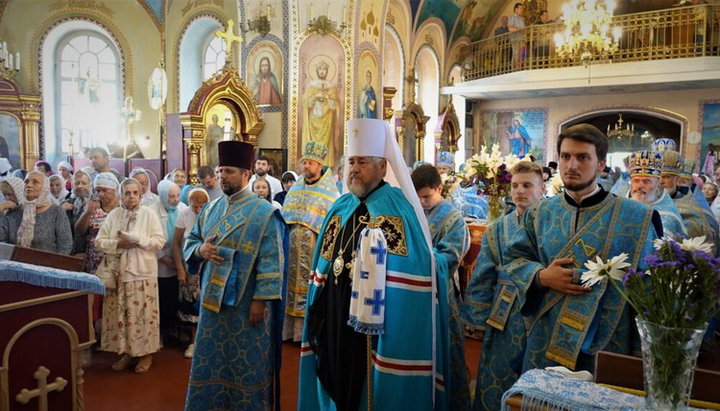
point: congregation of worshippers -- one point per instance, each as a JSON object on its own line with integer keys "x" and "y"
{"x": 371, "y": 262}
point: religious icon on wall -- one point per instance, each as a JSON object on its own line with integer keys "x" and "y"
{"x": 219, "y": 126}
{"x": 368, "y": 105}
{"x": 710, "y": 135}
{"x": 518, "y": 132}
{"x": 321, "y": 108}
{"x": 265, "y": 73}
{"x": 10, "y": 139}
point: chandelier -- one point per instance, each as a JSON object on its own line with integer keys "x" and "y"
{"x": 587, "y": 32}
{"x": 620, "y": 131}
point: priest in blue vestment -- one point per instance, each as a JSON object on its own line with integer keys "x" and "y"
{"x": 491, "y": 306}
{"x": 237, "y": 245}
{"x": 645, "y": 168}
{"x": 567, "y": 322}
{"x": 698, "y": 219}
{"x": 374, "y": 334}
{"x": 449, "y": 235}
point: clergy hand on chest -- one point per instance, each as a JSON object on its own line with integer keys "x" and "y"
{"x": 560, "y": 279}
{"x": 209, "y": 251}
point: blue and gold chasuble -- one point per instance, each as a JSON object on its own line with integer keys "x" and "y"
{"x": 698, "y": 218}
{"x": 491, "y": 305}
{"x": 235, "y": 365}
{"x": 304, "y": 210}
{"x": 402, "y": 357}
{"x": 564, "y": 329}
{"x": 669, "y": 215}
{"x": 451, "y": 238}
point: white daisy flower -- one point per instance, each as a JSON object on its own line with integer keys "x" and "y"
{"x": 696, "y": 243}
{"x": 599, "y": 269}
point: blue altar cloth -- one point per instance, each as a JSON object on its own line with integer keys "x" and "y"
{"x": 556, "y": 392}
{"x": 49, "y": 277}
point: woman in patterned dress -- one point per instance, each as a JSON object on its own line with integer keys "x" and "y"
{"x": 129, "y": 237}
{"x": 88, "y": 225}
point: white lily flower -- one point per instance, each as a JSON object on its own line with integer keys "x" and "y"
{"x": 696, "y": 243}
{"x": 599, "y": 269}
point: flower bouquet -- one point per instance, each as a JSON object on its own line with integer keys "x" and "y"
{"x": 674, "y": 298}
{"x": 491, "y": 172}
{"x": 556, "y": 184}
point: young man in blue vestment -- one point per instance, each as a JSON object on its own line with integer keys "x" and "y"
{"x": 491, "y": 305}
{"x": 567, "y": 322}
{"x": 375, "y": 335}
{"x": 237, "y": 245}
{"x": 450, "y": 234}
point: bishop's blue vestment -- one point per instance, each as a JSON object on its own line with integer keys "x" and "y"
{"x": 334, "y": 357}
{"x": 235, "y": 365}
{"x": 491, "y": 305}
{"x": 564, "y": 329}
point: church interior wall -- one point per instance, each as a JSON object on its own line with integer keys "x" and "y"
{"x": 686, "y": 104}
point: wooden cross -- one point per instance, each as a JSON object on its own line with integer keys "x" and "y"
{"x": 42, "y": 390}
{"x": 229, "y": 37}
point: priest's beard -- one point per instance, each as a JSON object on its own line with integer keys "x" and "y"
{"x": 644, "y": 196}
{"x": 260, "y": 172}
{"x": 580, "y": 186}
{"x": 361, "y": 190}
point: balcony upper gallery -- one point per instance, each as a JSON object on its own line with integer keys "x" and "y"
{"x": 662, "y": 49}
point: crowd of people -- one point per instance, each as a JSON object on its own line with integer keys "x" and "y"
{"x": 367, "y": 282}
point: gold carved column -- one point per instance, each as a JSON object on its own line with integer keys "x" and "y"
{"x": 31, "y": 132}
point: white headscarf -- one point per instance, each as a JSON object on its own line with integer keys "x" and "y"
{"x": 63, "y": 191}
{"x": 107, "y": 180}
{"x": 26, "y": 233}
{"x": 64, "y": 164}
{"x": 18, "y": 187}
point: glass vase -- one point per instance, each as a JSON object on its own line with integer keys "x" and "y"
{"x": 496, "y": 207}
{"x": 669, "y": 356}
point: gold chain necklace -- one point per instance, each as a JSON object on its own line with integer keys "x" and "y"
{"x": 339, "y": 262}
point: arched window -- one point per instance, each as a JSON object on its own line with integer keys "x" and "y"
{"x": 201, "y": 55}
{"x": 214, "y": 57}
{"x": 394, "y": 65}
{"x": 427, "y": 67}
{"x": 82, "y": 89}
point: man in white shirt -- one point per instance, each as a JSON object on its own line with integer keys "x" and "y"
{"x": 262, "y": 165}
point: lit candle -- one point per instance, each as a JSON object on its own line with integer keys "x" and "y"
{"x": 17, "y": 61}
{"x": 327, "y": 13}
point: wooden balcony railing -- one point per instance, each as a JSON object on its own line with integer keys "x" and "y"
{"x": 663, "y": 34}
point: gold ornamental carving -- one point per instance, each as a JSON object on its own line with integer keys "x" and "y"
{"x": 227, "y": 89}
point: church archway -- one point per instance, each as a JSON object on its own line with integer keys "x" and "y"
{"x": 631, "y": 128}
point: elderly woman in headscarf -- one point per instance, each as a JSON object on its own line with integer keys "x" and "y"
{"x": 89, "y": 222}
{"x": 13, "y": 191}
{"x": 142, "y": 176}
{"x": 129, "y": 237}
{"x": 38, "y": 223}
{"x": 168, "y": 209}
{"x": 66, "y": 172}
{"x": 58, "y": 193}
{"x": 189, "y": 284}
{"x": 75, "y": 205}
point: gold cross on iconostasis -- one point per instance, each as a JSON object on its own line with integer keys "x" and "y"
{"x": 229, "y": 37}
